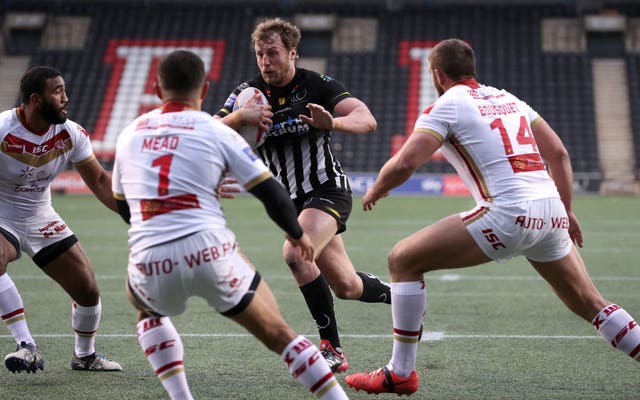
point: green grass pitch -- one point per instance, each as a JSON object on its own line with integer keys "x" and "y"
{"x": 491, "y": 332}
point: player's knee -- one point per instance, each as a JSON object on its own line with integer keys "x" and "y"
{"x": 346, "y": 289}
{"x": 401, "y": 268}
{"x": 7, "y": 254}
{"x": 395, "y": 261}
{"x": 3, "y": 265}
{"x": 292, "y": 258}
{"x": 88, "y": 294}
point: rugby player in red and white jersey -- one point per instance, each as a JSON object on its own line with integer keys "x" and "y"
{"x": 168, "y": 165}
{"x": 37, "y": 141}
{"x": 499, "y": 146}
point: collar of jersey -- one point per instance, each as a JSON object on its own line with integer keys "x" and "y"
{"x": 23, "y": 120}
{"x": 174, "y": 106}
{"x": 468, "y": 82}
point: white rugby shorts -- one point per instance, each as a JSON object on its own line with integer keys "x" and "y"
{"x": 205, "y": 264}
{"x": 37, "y": 232}
{"x": 536, "y": 229}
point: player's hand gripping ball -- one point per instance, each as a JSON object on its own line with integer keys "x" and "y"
{"x": 251, "y": 133}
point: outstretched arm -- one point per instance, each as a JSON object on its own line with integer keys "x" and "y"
{"x": 557, "y": 157}
{"x": 352, "y": 116}
{"x": 252, "y": 113}
{"x": 98, "y": 180}
{"x": 415, "y": 152}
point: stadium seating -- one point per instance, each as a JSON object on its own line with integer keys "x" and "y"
{"x": 506, "y": 38}
{"x": 633, "y": 65}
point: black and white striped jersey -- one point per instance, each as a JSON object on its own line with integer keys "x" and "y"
{"x": 299, "y": 156}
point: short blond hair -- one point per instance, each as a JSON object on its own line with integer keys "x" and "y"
{"x": 288, "y": 32}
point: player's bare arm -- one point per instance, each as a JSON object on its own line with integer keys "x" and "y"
{"x": 557, "y": 157}
{"x": 251, "y": 113}
{"x": 352, "y": 116}
{"x": 98, "y": 180}
{"x": 416, "y": 151}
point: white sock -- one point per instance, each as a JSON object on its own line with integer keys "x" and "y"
{"x": 85, "y": 321}
{"x": 619, "y": 328}
{"x": 408, "y": 305}
{"x": 162, "y": 345}
{"x": 308, "y": 368}
{"x": 12, "y": 310}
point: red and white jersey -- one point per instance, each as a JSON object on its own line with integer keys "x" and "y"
{"x": 168, "y": 164}
{"x": 30, "y": 160}
{"x": 486, "y": 136}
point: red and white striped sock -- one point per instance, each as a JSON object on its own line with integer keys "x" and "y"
{"x": 12, "y": 310}
{"x": 619, "y": 328}
{"x": 408, "y": 305}
{"x": 85, "y": 321}
{"x": 162, "y": 345}
{"x": 308, "y": 367}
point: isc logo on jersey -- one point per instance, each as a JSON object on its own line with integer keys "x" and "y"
{"x": 251, "y": 133}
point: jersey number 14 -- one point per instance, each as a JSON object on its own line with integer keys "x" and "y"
{"x": 523, "y": 162}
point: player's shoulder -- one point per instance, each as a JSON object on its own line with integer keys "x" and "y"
{"x": 8, "y": 118}
{"x": 141, "y": 122}
{"x": 428, "y": 109}
{"x": 72, "y": 129}
{"x": 75, "y": 127}
{"x": 8, "y": 114}
{"x": 9, "y": 123}
{"x": 308, "y": 75}
{"x": 218, "y": 129}
{"x": 255, "y": 81}
{"x": 220, "y": 136}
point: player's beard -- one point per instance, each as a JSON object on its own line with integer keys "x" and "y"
{"x": 279, "y": 75}
{"x": 436, "y": 85}
{"x": 51, "y": 114}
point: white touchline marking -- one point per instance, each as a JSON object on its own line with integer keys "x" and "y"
{"x": 426, "y": 337}
{"x": 443, "y": 278}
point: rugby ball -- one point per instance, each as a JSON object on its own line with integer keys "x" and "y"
{"x": 252, "y": 134}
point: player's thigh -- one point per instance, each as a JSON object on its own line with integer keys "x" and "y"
{"x": 334, "y": 261}
{"x": 444, "y": 244}
{"x": 263, "y": 319}
{"x": 321, "y": 228}
{"x": 142, "y": 309}
{"x": 318, "y": 225}
{"x": 8, "y": 249}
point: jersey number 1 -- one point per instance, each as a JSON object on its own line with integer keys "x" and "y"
{"x": 164, "y": 162}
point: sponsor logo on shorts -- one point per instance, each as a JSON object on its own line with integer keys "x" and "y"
{"x": 52, "y": 228}
{"x": 536, "y": 223}
{"x": 493, "y": 239}
{"x": 156, "y": 267}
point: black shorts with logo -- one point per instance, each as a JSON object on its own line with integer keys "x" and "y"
{"x": 333, "y": 200}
